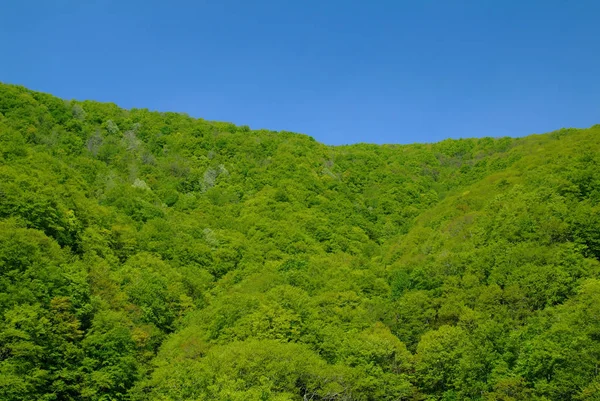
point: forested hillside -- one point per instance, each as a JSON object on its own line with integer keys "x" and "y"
{"x": 154, "y": 256}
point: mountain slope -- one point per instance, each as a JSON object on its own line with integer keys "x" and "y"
{"x": 150, "y": 255}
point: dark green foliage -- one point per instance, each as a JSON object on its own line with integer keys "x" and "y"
{"x": 153, "y": 256}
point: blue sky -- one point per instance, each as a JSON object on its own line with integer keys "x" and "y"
{"x": 341, "y": 71}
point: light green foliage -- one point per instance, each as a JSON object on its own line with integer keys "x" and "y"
{"x": 153, "y": 256}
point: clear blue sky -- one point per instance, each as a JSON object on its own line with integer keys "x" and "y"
{"x": 341, "y": 71}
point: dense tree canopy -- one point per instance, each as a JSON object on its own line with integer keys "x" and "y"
{"x": 154, "y": 256}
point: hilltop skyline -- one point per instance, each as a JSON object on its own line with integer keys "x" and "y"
{"x": 341, "y": 72}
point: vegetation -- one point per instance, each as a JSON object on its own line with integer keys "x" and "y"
{"x": 153, "y": 256}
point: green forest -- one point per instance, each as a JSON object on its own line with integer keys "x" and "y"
{"x": 155, "y": 256}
